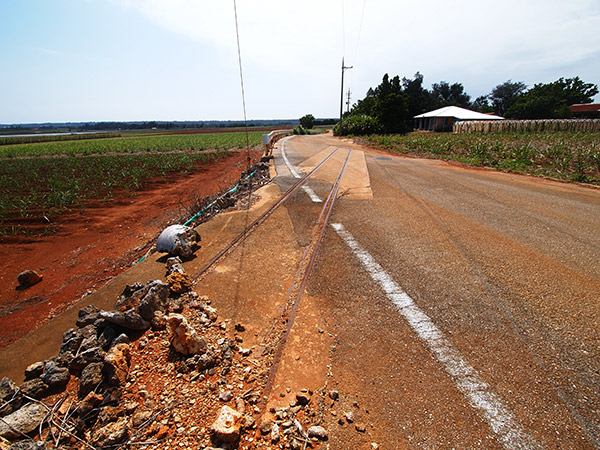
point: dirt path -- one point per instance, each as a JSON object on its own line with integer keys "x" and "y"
{"x": 94, "y": 245}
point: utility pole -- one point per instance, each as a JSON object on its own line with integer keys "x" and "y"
{"x": 342, "y": 98}
{"x": 348, "y": 101}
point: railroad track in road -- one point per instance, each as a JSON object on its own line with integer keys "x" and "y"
{"x": 274, "y": 342}
{"x": 250, "y": 228}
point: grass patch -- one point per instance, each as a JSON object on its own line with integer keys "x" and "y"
{"x": 567, "y": 156}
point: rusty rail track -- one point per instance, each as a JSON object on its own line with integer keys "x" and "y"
{"x": 300, "y": 281}
{"x": 250, "y": 228}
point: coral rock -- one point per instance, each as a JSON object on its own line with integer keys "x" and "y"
{"x": 116, "y": 364}
{"x": 180, "y": 283}
{"x": 184, "y": 338}
{"x": 227, "y": 426}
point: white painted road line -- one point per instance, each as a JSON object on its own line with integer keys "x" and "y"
{"x": 313, "y": 196}
{"x": 466, "y": 378}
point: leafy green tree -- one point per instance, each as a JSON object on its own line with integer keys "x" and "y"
{"x": 307, "y": 121}
{"x": 384, "y": 109}
{"x": 504, "y": 95}
{"x": 391, "y": 106}
{"x": 446, "y": 94}
{"x": 420, "y": 99}
{"x": 359, "y": 125}
{"x": 482, "y": 104}
{"x": 552, "y": 100}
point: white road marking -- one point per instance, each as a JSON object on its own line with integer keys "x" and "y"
{"x": 466, "y": 378}
{"x": 313, "y": 196}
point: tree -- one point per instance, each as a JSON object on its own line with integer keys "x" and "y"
{"x": 384, "y": 108}
{"x": 482, "y": 104}
{"x": 391, "y": 106}
{"x": 446, "y": 94}
{"x": 420, "y": 99}
{"x": 505, "y": 94}
{"x": 307, "y": 121}
{"x": 552, "y": 100}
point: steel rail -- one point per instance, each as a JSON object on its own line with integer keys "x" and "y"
{"x": 318, "y": 234}
{"x": 261, "y": 218}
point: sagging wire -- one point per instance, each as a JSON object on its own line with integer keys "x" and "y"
{"x": 343, "y": 31}
{"x": 362, "y": 16}
{"x": 237, "y": 34}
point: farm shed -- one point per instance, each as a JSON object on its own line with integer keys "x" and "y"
{"x": 586, "y": 110}
{"x": 442, "y": 119}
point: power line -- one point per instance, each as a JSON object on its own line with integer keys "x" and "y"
{"x": 343, "y": 31}
{"x": 237, "y": 33}
{"x": 362, "y": 16}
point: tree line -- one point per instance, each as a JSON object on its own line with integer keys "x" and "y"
{"x": 390, "y": 107}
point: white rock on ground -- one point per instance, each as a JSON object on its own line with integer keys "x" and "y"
{"x": 227, "y": 426}
{"x": 184, "y": 338}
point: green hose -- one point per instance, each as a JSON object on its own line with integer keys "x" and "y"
{"x": 204, "y": 210}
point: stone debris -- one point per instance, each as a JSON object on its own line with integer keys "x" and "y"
{"x": 318, "y": 432}
{"x": 361, "y": 427}
{"x": 184, "y": 338}
{"x": 10, "y": 397}
{"x": 28, "y": 444}
{"x": 226, "y": 428}
{"x": 28, "y": 278}
{"x": 55, "y": 375}
{"x": 144, "y": 376}
{"x": 116, "y": 365}
{"x": 111, "y": 434}
{"x": 180, "y": 283}
{"x": 174, "y": 265}
{"x": 178, "y": 240}
{"x": 275, "y": 433}
{"x": 22, "y": 421}
{"x": 129, "y": 319}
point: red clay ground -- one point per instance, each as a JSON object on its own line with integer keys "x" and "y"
{"x": 92, "y": 246}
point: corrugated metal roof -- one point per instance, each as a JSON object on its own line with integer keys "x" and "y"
{"x": 458, "y": 113}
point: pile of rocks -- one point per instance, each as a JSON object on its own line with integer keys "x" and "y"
{"x": 93, "y": 362}
{"x": 158, "y": 371}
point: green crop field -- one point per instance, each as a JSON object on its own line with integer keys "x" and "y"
{"x": 160, "y": 143}
{"x": 43, "y": 180}
{"x": 568, "y": 156}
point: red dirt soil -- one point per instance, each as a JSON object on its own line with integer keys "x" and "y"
{"x": 94, "y": 245}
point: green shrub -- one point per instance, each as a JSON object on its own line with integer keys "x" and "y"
{"x": 359, "y": 125}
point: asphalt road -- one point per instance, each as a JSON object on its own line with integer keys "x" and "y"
{"x": 463, "y": 303}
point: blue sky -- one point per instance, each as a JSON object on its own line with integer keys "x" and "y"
{"x": 96, "y": 60}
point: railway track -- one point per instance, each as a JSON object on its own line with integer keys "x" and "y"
{"x": 274, "y": 342}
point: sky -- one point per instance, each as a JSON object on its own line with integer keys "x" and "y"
{"x": 119, "y": 60}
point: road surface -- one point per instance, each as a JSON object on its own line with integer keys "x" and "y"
{"x": 464, "y": 303}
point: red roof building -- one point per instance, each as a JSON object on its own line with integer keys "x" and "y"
{"x": 586, "y": 110}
